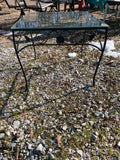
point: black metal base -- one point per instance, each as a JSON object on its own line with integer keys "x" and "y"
{"x": 63, "y": 37}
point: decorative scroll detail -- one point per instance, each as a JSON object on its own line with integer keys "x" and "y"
{"x": 60, "y": 40}
{"x": 50, "y": 37}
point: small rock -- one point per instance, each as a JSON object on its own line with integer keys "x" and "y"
{"x": 40, "y": 149}
{"x": 100, "y": 102}
{"x": 88, "y": 156}
{"x": 3, "y": 94}
{"x": 91, "y": 123}
{"x": 2, "y": 135}
{"x": 58, "y": 101}
{"x": 107, "y": 128}
{"x": 118, "y": 144}
{"x": 13, "y": 145}
{"x": 93, "y": 137}
{"x": 16, "y": 124}
{"x": 96, "y": 133}
{"x": 60, "y": 112}
{"x": 106, "y": 114}
{"x": 64, "y": 127}
{"x": 72, "y": 66}
{"x": 86, "y": 144}
{"x": 79, "y": 131}
{"x": 80, "y": 152}
{"x": 83, "y": 124}
{"x": 74, "y": 118}
{"x": 26, "y": 122}
{"x": 72, "y": 133}
{"x": 8, "y": 133}
{"x": 72, "y": 55}
{"x": 43, "y": 143}
{"x": 118, "y": 104}
{"x": 81, "y": 60}
{"x": 51, "y": 156}
{"x": 1, "y": 157}
{"x": 71, "y": 151}
{"x": 97, "y": 113}
{"x": 113, "y": 100}
{"x": 63, "y": 106}
{"x": 29, "y": 146}
{"x": 33, "y": 140}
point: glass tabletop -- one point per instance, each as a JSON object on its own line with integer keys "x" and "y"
{"x": 58, "y": 20}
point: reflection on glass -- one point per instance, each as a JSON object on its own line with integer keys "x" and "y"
{"x": 46, "y": 20}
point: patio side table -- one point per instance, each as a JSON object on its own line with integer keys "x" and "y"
{"x": 63, "y": 28}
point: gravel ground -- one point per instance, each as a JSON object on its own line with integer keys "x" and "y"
{"x": 60, "y": 117}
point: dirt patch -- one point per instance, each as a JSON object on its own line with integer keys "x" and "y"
{"x": 7, "y": 17}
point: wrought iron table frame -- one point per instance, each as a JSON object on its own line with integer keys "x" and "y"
{"x": 59, "y": 41}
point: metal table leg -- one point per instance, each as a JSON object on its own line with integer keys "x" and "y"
{"x": 17, "y": 54}
{"x": 102, "y": 51}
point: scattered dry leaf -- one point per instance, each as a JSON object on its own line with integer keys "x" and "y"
{"x": 117, "y": 119}
{"x": 77, "y": 126}
{"x": 76, "y": 109}
{"x": 83, "y": 147}
{"x": 17, "y": 153}
{"x": 58, "y": 138}
{"x": 105, "y": 106}
{"x": 77, "y": 72}
{"x": 110, "y": 62}
{"x": 31, "y": 134}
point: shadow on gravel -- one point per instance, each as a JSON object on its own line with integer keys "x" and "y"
{"x": 8, "y": 95}
{"x": 43, "y": 104}
{"x": 25, "y": 95}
